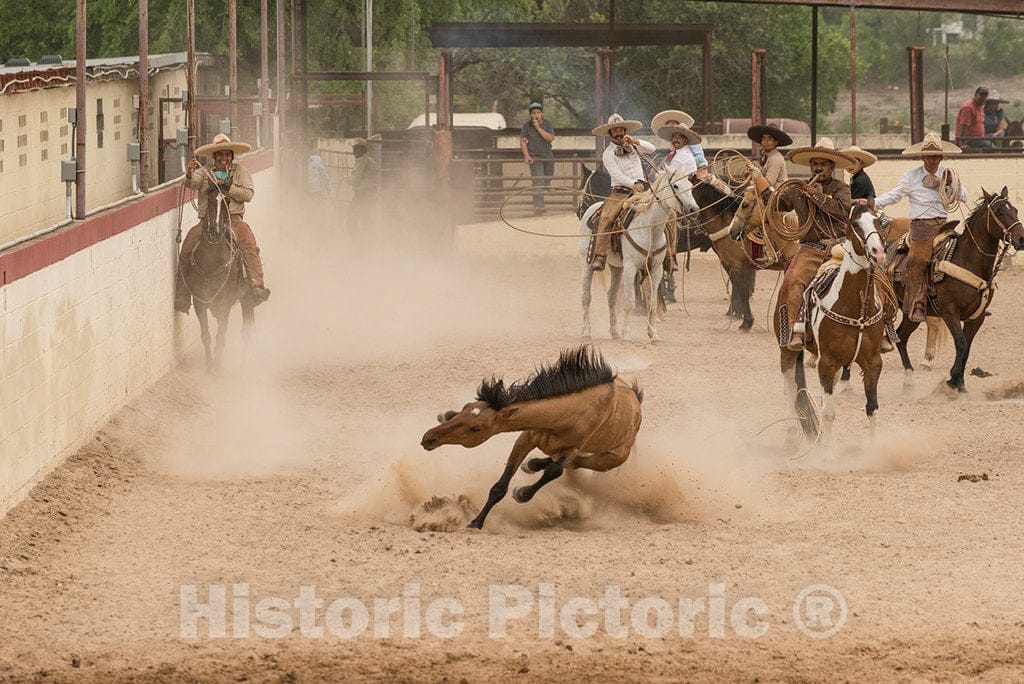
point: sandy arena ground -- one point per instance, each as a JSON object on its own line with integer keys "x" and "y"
{"x": 306, "y": 468}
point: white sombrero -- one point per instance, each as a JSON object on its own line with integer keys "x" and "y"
{"x": 825, "y": 149}
{"x": 220, "y": 143}
{"x": 863, "y": 156}
{"x": 666, "y": 132}
{"x": 671, "y": 117}
{"x": 616, "y": 121}
{"x": 932, "y": 145}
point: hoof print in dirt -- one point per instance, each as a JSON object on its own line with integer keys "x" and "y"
{"x": 442, "y": 514}
{"x": 971, "y": 477}
{"x": 979, "y": 373}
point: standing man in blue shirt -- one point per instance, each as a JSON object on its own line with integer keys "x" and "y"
{"x": 535, "y": 144}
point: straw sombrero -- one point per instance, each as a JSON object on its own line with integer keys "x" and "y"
{"x": 755, "y": 133}
{"x": 825, "y": 149}
{"x": 863, "y": 156}
{"x": 616, "y": 121}
{"x": 932, "y": 145}
{"x": 666, "y": 132}
{"x": 671, "y": 117}
{"x": 994, "y": 96}
{"x": 222, "y": 142}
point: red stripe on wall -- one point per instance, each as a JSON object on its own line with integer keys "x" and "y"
{"x": 26, "y": 259}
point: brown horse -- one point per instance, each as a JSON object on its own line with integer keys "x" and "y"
{"x": 845, "y": 323}
{"x": 215, "y": 280}
{"x": 576, "y": 411}
{"x": 716, "y": 214}
{"x": 963, "y": 296}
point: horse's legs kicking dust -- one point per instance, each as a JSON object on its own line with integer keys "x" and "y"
{"x": 248, "y": 329}
{"x": 587, "y": 279}
{"x": 935, "y": 326}
{"x": 827, "y": 377}
{"x": 613, "y": 301}
{"x": 204, "y": 331}
{"x": 653, "y": 282}
{"x": 788, "y": 366}
{"x": 222, "y": 333}
{"x": 552, "y": 471}
{"x": 963, "y": 335}
{"x": 872, "y": 369}
{"x": 523, "y": 446}
{"x": 628, "y": 296}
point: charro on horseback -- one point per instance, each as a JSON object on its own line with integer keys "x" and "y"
{"x": 233, "y": 182}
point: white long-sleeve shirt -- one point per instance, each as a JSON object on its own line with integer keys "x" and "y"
{"x": 625, "y": 169}
{"x": 924, "y": 202}
{"x": 681, "y": 159}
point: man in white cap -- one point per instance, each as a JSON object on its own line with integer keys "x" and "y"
{"x": 927, "y": 215}
{"x": 235, "y": 182}
{"x": 622, "y": 162}
{"x": 831, "y": 199}
{"x": 675, "y": 126}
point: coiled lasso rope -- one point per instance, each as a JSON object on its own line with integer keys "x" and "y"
{"x": 950, "y": 193}
{"x": 774, "y": 217}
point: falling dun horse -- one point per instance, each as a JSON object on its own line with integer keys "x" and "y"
{"x": 576, "y": 411}
{"x": 215, "y": 281}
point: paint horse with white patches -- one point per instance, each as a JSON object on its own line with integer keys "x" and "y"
{"x": 576, "y": 411}
{"x": 644, "y": 243}
{"x": 845, "y": 323}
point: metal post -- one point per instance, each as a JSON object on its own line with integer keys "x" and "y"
{"x": 368, "y": 18}
{"x": 708, "y": 84}
{"x": 264, "y": 74}
{"x": 599, "y": 112}
{"x": 945, "y": 125}
{"x": 853, "y": 73}
{"x": 295, "y": 43}
{"x": 757, "y": 75}
{"x": 916, "y": 68}
{"x": 143, "y": 95}
{"x": 443, "y": 138}
{"x": 190, "y": 76}
{"x": 304, "y": 67}
{"x": 814, "y": 75}
{"x": 233, "y": 66}
{"x": 279, "y": 66}
{"x": 82, "y": 119}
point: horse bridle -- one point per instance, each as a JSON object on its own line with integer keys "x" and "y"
{"x": 992, "y": 214}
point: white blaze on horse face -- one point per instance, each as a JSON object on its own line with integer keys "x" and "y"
{"x": 872, "y": 241}
{"x": 475, "y": 412}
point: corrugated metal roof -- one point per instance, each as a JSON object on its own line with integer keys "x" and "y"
{"x": 155, "y": 62}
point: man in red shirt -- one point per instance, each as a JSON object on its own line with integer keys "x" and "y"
{"x": 970, "y": 120}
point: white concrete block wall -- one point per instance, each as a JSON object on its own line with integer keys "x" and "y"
{"x": 85, "y": 335}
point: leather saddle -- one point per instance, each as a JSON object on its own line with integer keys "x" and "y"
{"x": 897, "y": 251}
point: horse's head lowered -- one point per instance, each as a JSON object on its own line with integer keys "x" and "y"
{"x": 862, "y": 232}
{"x": 1002, "y": 221}
{"x": 472, "y": 426}
{"x": 749, "y": 213}
{"x": 217, "y": 219}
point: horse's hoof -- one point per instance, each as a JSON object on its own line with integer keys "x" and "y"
{"x": 522, "y": 494}
{"x": 475, "y": 525}
{"x": 535, "y": 465}
{"x": 746, "y": 326}
{"x": 926, "y": 365}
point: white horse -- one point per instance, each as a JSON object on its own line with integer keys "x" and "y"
{"x": 643, "y": 250}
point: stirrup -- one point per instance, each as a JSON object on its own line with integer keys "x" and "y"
{"x": 796, "y": 342}
{"x": 599, "y": 263}
{"x": 261, "y": 294}
{"x": 886, "y": 346}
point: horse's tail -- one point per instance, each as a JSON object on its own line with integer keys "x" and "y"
{"x": 637, "y": 391}
{"x": 804, "y": 406}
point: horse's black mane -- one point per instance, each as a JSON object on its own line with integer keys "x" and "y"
{"x": 706, "y": 194}
{"x": 576, "y": 370}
